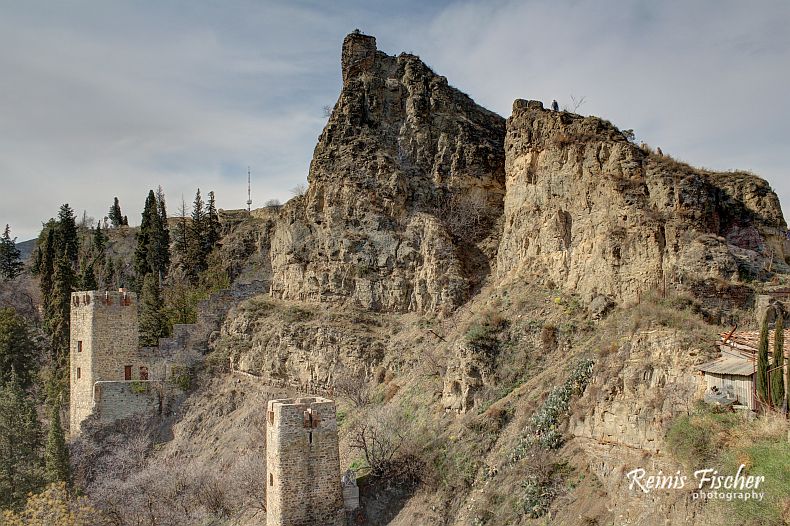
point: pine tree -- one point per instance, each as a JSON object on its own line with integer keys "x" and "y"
{"x": 196, "y": 244}
{"x": 17, "y": 351}
{"x": 10, "y": 261}
{"x": 153, "y": 323}
{"x": 99, "y": 240}
{"x": 56, "y": 454}
{"x": 125, "y": 221}
{"x": 114, "y": 215}
{"x": 62, "y": 287}
{"x": 20, "y": 444}
{"x": 66, "y": 234}
{"x": 777, "y": 367}
{"x": 181, "y": 234}
{"x": 762, "y": 364}
{"x": 212, "y": 224}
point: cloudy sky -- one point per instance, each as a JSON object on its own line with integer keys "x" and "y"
{"x": 101, "y": 99}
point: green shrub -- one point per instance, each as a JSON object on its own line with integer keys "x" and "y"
{"x": 138, "y": 387}
{"x": 693, "y": 439}
{"x": 769, "y": 459}
{"x": 543, "y": 427}
{"x": 296, "y": 314}
{"x": 711, "y": 438}
{"x": 484, "y": 336}
{"x": 181, "y": 377}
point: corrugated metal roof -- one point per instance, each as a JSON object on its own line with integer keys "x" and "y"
{"x": 751, "y": 339}
{"x": 728, "y": 365}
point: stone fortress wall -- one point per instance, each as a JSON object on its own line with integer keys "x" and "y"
{"x": 303, "y": 464}
{"x": 104, "y": 348}
{"x": 116, "y": 400}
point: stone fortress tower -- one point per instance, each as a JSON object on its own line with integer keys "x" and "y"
{"x": 103, "y": 350}
{"x": 303, "y": 464}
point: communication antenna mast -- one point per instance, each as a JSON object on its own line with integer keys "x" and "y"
{"x": 249, "y": 198}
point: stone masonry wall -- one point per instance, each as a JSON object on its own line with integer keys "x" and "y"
{"x": 116, "y": 400}
{"x": 303, "y": 464}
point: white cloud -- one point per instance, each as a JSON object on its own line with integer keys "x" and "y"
{"x": 102, "y": 99}
{"x": 706, "y": 81}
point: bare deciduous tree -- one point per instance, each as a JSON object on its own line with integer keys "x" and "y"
{"x": 273, "y": 204}
{"x": 575, "y": 104}
{"x": 352, "y": 387}
{"x": 466, "y": 215}
{"x": 382, "y": 440}
{"x": 299, "y": 190}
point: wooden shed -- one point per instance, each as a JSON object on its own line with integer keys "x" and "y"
{"x": 732, "y": 377}
{"x": 733, "y": 373}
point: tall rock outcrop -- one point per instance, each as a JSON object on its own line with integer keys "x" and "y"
{"x": 596, "y": 214}
{"x": 406, "y": 183}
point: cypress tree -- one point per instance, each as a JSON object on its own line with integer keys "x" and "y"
{"x": 762, "y": 363}
{"x": 777, "y": 366}
{"x": 62, "y": 287}
{"x": 20, "y": 444}
{"x": 56, "y": 454}
{"x": 142, "y": 261}
{"x": 87, "y": 279}
{"x": 121, "y": 275}
{"x": 47, "y": 270}
{"x": 114, "y": 215}
{"x": 37, "y": 261}
{"x": 152, "y": 254}
{"x": 153, "y": 323}
{"x": 109, "y": 275}
{"x": 164, "y": 243}
{"x": 10, "y": 261}
{"x": 66, "y": 235}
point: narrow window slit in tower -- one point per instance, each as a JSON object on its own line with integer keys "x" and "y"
{"x": 309, "y": 421}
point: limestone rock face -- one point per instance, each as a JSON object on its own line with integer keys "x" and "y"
{"x": 406, "y": 183}
{"x": 464, "y": 379}
{"x": 639, "y": 389}
{"x": 292, "y": 353}
{"x": 594, "y": 213}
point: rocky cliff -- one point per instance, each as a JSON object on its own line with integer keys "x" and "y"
{"x": 404, "y": 210}
{"x": 593, "y": 213}
{"x": 468, "y": 263}
{"x": 406, "y": 182}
